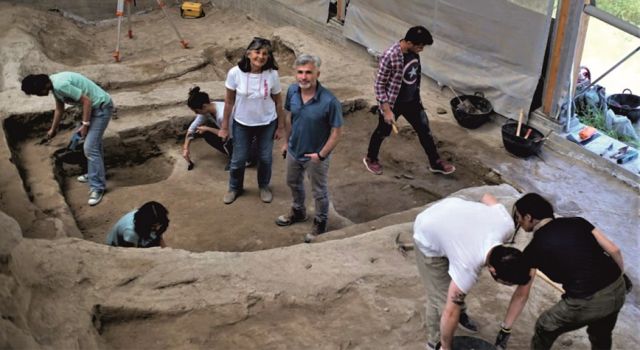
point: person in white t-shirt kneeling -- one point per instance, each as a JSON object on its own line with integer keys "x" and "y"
{"x": 206, "y": 124}
{"x": 454, "y": 240}
{"x": 253, "y": 103}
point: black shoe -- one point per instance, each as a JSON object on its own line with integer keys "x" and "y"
{"x": 291, "y": 218}
{"x": 319, "y": 227}
{"x": 467, "y": 323}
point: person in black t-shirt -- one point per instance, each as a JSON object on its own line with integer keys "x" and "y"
{"x": 573, "y": 252}
{"x": 397, "y": 89}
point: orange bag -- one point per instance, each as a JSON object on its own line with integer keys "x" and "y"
{"x": 587, "y": 132}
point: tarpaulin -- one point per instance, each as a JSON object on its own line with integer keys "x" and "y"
{"x": 493, "y": 46}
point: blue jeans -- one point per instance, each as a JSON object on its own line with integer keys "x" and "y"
{"x": 318, "y": 176}
{"x": 242, "y": 136}
{"x": 93, "y": 146}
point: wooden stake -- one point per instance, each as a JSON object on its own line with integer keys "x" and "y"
{"x": 519, "y": 122}
{"x": 549, "y": 281}
{"x": 394, "y": 127}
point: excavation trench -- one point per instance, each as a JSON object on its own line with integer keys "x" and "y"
{"x": 144, "y": 163}
{"x": 248, "y": 322}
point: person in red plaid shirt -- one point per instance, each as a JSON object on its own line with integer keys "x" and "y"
{"x": 397, "y": 89}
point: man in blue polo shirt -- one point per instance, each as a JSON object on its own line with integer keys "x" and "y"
{"x": 313, "y": 126}
{"x": 74, "y": 88}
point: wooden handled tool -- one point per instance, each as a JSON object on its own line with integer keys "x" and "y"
{"x": 519, "y": 122}
{"x": 394, "y": 127}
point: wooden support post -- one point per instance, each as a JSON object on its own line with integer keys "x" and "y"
{"x": 563, "y": 49}
{"x": 341, "y": 10}
{"x": 554, "y": 62}
{"x": 582, "y": 37}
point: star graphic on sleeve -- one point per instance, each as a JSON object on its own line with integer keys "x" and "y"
{"x": 413, "y": 72}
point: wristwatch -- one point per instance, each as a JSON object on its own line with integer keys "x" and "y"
{"x": 320, "y": 157}
{"x": 86, "y": 123}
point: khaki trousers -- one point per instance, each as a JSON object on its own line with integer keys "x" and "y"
{"x": 598, "y": 312}
{"x": 436, "y": 280}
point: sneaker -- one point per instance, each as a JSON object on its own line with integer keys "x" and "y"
{"x": 95, "y": 197}
{"x": 319, "y": 227}
{"x": 266, "y": 195}
{"x": 291, "y": 218}
{"x": 230, "y": 196}
{"x": 467, "y": 323}
{"x": 442, "y": 167}
{"x": 373, "y": 166}
{"x": 431, "y": 346}
{"x": 83, "y": 178}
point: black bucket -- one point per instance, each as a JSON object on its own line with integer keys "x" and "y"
{"x": 626, "y": 104}
{"x": 472, "y": 120}
{"x": 518, "y": 145}
{"x": 465, "y": 342}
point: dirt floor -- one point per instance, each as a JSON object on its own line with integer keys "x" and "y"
{"x": 204, "y": 292}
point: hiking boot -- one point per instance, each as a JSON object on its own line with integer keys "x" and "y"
{"x": 442, "y": 167}
{"x": 84, "y": 178}
{"x": 291, "y": 218}
{"x": 95, "y": 197}
{"x": 467, "y": 323}
{"x": 319, "y": 227}
{"x": 266, "y": 195}
{"x": 230, "y": 196}
{"x": 373, "y": 166}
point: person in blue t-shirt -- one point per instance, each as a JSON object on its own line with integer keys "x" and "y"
{"x": 141, "y": 228}
{"x": 313, "y": 124}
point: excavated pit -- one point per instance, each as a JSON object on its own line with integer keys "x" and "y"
{"x": 68, "y": 293}
{"x": 143, "y": 142}
{"x": 144, "y": 163}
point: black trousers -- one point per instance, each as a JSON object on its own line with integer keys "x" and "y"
{"x": 415, "y": 114}
{"x": 216, "y": 142}
{"x": 226, "y": 147}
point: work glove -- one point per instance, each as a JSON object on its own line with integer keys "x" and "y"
{"x": 503, "y": 338}
{"x": 627, "y": 283}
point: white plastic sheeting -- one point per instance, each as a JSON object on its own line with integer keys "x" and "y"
{"x": 317, "y": 10}
{"x": 493, "y": 46}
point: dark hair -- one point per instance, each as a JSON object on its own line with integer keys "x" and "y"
{"x": 33, "y": 84}
{"x": 534, "y": 205}
{"x": 149, "y": 214}
{"x": 256, "y": 44}
{"x": 197, "y": 98}
{"x": 509, "y": 264}
{"x": 419, "y": 35}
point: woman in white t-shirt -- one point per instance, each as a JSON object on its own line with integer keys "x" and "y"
{"x": 253, "y": 100}
{"x": 206, "y": 124}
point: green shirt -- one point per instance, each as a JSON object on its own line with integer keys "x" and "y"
{"x": 68, "y": 87}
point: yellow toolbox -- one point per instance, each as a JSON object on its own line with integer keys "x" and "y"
{"x": 191, "y": 10}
